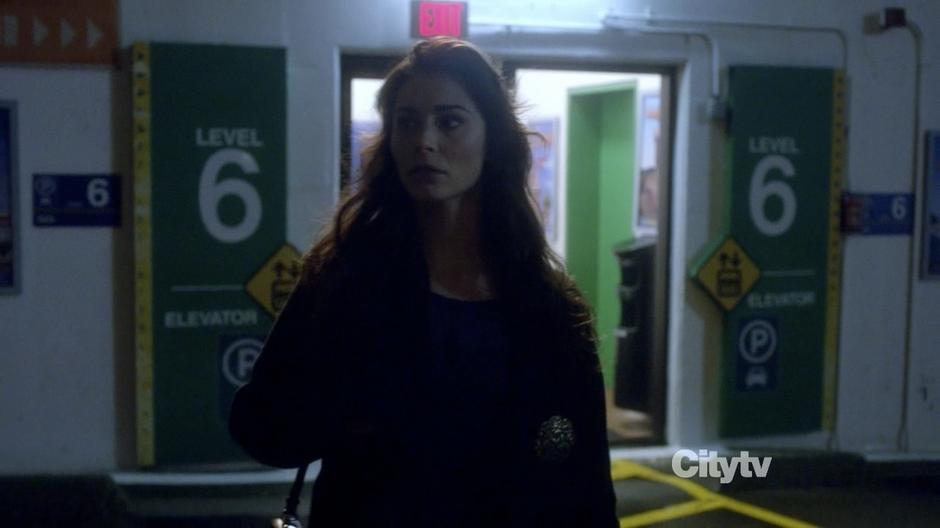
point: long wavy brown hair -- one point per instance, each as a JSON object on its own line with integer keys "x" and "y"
{"x": 525, "y": 270}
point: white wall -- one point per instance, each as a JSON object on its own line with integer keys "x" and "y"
{"x": 57, "y": 361}
{"x": 66, "y": 357}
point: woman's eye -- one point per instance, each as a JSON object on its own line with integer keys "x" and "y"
{"x": 451, "y": 122}
{"x": 406, "y": 123}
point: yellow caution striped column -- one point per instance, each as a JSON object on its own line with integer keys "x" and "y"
{"x": 143, "y": 285}
{"x": 834, "y": 253}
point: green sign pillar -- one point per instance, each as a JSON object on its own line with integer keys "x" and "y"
{"x": 210, "y": 211}
{"x": 780, "y": 330}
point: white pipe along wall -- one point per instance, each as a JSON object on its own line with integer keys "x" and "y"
{"x": 66, "y": 347}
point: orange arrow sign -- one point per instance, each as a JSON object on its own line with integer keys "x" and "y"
{"x": 54, "y": 31}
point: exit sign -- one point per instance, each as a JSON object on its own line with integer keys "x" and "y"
{"x": 432, "y": 19}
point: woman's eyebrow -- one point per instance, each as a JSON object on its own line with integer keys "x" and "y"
{"x": 436, "y": 108}
{"x": 448, "y": 107}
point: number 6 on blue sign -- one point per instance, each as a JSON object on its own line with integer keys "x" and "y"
{"x": 76, "y": 200}
{"x": 899, "y": 207}
{"x": 98, "y": 193}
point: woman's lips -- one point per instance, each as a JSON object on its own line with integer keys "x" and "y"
{"x": 426, "y": 173}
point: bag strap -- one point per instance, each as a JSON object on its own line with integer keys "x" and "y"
{"x": 289, "y": 518}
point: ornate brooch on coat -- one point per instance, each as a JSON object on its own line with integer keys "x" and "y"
{"x": 555, "y": 439}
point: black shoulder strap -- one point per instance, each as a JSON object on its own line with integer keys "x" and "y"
{"x": 289, "y": 517}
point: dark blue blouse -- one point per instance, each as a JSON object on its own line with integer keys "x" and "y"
{"x": 467, "y": 370}
{"x": 455, "y": 447}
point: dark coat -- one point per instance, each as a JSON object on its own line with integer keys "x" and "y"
{"x": 346, "y": 340}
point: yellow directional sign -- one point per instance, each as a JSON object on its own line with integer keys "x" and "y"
{"x": 728, "y": 274}
{"x": 271, "y": 285}
{"x": 56, "y": 31}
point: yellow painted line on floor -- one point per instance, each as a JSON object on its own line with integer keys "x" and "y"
{"x": 705, "y": 500}
{"x": 622, "y": 470}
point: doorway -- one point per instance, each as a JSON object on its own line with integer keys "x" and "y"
{"x": 600, "y": 182}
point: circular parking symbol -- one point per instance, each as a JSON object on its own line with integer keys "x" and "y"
{"x": 238, "y": 360}
{"x": 757, "y": 341}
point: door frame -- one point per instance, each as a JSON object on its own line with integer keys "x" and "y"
{"x": 377, "y": 65}
{"x": 668, "y": 100}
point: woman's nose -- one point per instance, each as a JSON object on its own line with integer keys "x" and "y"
{"x": 427, "y": 139}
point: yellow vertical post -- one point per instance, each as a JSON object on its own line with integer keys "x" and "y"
{"x": 143, "y": 287}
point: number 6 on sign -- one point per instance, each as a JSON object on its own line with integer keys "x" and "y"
{"x": 899, "y": 207}
{"x": 211, "y": 192}
{"x": 97, "y": 192}
{"x": 761, "y": 190}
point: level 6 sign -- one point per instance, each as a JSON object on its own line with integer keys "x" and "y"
{"x": 757, "y": 345}
{"x": 210, "y": 164}
{"x": 76, "y": 200}
{"x": 785, "y": 162}
{"x": 878, "y": 214}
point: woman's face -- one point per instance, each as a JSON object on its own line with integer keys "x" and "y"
{"x": 438, "y": 138}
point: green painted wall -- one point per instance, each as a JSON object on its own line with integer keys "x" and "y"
{"x": 601, "y": 165}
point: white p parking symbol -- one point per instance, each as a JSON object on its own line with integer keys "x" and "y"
{"x": 757, "y": 341}
{"x": 239, "y": 359}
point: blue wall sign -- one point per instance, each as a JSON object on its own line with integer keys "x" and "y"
{"x": 76, "y": 200}
{"x": 878, "y": 214}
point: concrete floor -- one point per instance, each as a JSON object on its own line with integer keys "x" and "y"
{"x": 808, "y": 490}
{"x": 872, "y": 498}
{"x": 876, "y": 506}
{"x": 836, "y": 507}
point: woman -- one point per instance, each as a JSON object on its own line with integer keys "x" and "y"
{"x": 434, "y": 355}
